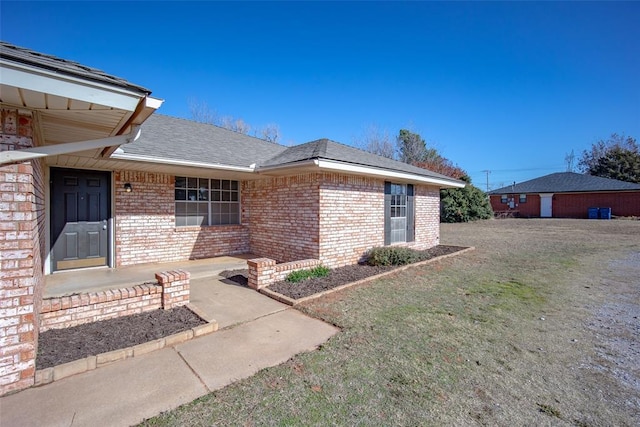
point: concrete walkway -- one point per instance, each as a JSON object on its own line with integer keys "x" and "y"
{"x": 256, "y": 332}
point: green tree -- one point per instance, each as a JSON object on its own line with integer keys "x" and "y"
{"x": 464, "y": 204}
{"x": 617, "y": 157}
{"x": 412, "y": 148}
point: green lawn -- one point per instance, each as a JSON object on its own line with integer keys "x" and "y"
{"x": 497, "y": 336}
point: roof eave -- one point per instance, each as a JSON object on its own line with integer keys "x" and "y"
{"x": 350, "y": 168}
{"x": 45, "y": 81}
{"x": 176, "y": 162}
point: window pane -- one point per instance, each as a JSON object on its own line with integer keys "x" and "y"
{"x": 234, "y": 208}
{"x": 226, "y": 196}
{"x": 203, "y": 183}
{"x": 234, "y": 197}
{"x": 234, "y": 185}
{"x": 181, "y": 182}
{"x": 192, "y": 182}
{"x": 224, "y": 208}
{"x": 226, "y": 185}
{"x": 193, "y": 195}
{"x": 181, "y": 194}
{"x": 215, "y": 196}
{"x": 215, "y": 184}
{"x": 215, "y": 219}
{"x": 234, "y": 218}
{"x": 203, "y": 194}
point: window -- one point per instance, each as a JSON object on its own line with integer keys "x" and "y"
{"x": 523, "y": 198}
{"x": 204, "y": 201}
{"x": 504, "y": 198}
{"x": 399, "y": 215}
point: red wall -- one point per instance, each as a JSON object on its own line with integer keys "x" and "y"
{"x": 575, "y": 205}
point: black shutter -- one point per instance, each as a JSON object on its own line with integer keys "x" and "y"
{"x": 387, "y": 213}
{"x": 411, "y": 221}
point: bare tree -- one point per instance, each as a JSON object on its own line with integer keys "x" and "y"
{"x": 271, "y": 132}
{"x": 376, "y": 141}
{"x": 201, "y": 112}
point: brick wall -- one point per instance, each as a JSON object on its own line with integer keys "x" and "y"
{"x": 145, "y": 225}
{"x": 172, "y": 290}
{"x": 283, "y": 216}
{"x": 528, "y": 209}
{"x": 427, "y": 203}
{"x": 21, "y": 254}
{"x": 333, "y": 217}
{"x": 265, "y": 271}
{"x": 575, "y": 205}
{"x": 351, "y": 217}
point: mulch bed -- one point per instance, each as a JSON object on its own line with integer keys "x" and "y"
{"x": 58, "y": 346}
{"x": 337, "y": 277}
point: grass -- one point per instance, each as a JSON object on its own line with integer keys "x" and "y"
{"x": 300, "y": 275}
{"x": 461, "y": 342}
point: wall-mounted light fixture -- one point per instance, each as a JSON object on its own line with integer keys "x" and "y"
{"x": 127, "y": 187}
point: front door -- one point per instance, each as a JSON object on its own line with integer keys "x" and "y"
{"x": 79, "y": 218}
{"x": 546, "y": 208}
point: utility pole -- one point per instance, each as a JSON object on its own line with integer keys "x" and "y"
{"x": 487, "y": 172}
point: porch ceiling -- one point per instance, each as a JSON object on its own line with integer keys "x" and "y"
{"x": 68, "y": 107}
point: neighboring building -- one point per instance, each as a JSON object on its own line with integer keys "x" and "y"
{"x": 566, "y": 195}
{"x": 80, "y": 188}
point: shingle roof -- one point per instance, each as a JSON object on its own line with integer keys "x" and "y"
{"x": 331, "y": 150}
{"x": 567, "y": 182}
{"x": 172, "y": 138}
{"x": 63, "y": 66}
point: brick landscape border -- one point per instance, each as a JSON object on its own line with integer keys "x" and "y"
{"x": 293, "y": 302}
{"x": 171, "y": 290}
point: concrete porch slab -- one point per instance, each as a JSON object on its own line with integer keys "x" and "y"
{"x": 103, "y": 278}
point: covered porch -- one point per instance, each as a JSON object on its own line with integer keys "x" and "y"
{"x": 211, "y": 296}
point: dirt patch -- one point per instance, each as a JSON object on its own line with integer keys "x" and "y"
{"x": 58, "y": 346}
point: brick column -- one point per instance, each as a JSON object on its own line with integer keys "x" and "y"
{"x": 261, "y": 272}
{"x": 175, "y": 288}
{"x": 21, "y": 280}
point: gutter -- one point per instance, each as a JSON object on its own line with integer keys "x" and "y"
{"x": 13, "y": 156}
{"x": 119, "y": 155}
{"x": 365, "y": 170}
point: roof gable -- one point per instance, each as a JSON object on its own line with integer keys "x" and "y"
{"x": 567, "y": 182}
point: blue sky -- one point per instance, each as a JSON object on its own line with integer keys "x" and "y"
{"x": 506, "y": 87}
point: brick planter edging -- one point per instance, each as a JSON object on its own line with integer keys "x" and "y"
{"x": 171, "y": 290}
{"x": 55, "y": 373}
{"x": 293, "y": 302}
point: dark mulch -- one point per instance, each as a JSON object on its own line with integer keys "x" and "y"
{"x": 337, "y": 276}
{"x": 57, "y": 346}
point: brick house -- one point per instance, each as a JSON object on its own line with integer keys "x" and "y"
{"x": 567, "y": 195}
{"x": 90, "y": 178}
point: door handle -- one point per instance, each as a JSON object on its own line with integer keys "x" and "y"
{"x": 104, "y": 226}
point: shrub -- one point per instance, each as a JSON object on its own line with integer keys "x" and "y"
{"x": 464, "y": 204}
{"x": 300, "y": 275}
{"x": 392, "y": 255}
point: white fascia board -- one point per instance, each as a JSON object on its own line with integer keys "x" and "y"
{"x": 347, "y": 167}
{"x": 13, "y": 156}
{"x": 175, "y": 162}
{"x": 44, "y": 81}
{"x": 367, "y": 170}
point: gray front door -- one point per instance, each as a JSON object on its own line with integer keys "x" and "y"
{"x": 79, "y": 218}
